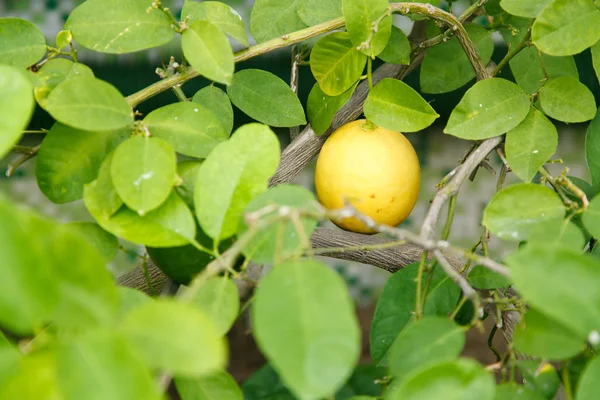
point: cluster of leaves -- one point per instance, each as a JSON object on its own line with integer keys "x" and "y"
{"x": 75, "y": 334}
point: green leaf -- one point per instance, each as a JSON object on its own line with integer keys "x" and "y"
{"x": 566, "y": 27}
{"x": 396, "y": 304}
{"x": 220, "y": 14}
{"x": 102, "y": 191}
{"x": 527, "y": 9}
{"x": 266, "y": 98}
{"x": 463, "y": 379}
{"x": 395, "y": 105}
{"x": 172, "y": 224}
{"x": 101, "y": 365}
{"x": 313, "y": 12}
{"x": 89, "y": 104}
{"x": 217, "y": 386}
{"x": 208, "y": 51}
{"x": 544, "y": 380}
{"x": 596, "y": 59}
{"x": 9, "y": 361}
{"x": 321, "y": 108}
{"x": 129, "y": 299}
{"x": 307, "y": 303}
{"x": 592, "y": 150}
{"x": 446, "y": 66}
{"x": 490, "y": 108}
{"x": 591, "y": 217}
{"x": 143, "y": 171}
{"x": 106, "y": 244}
{"x": 557, "y": 232}
{"x": 512, "y": 391}
{"x": 192, "y": 129}
{"x": 567, "y": 100}
{"x": 360, "y": 16}
{"x": 282, "y": 239}
{"x": 398, "y": 48}
{"x": 482, "y": 278}
{"x": 423, "y": 343}
{"x": 188, "y": 172}
{"x": 588, "y": 385}
{"x": 22, "y": 45}
{"x": 219, "y": 299}
{"x": 16, "y": 106}
{"x": 336, "y": 64}
{"x": 69, "y": 158}
{"x": 527, "y": 69}
{"x": 54, "y": 72}
{"x": 63, "y": 39}
{"x": 114, "y": 26}
{"x": 217, "y": 101}
{"x": 531, "y": 144}
{"x": 175, "y": 337}
{"x": 233, "y": 174}
{"x": 33, "y": 378}
{"x": 266, "y": 384}
{"x": 539, "y": 336}
{"x": 273, "y": 18}
{"x": 515, "y": 210}
{"x": 560, "y": 283}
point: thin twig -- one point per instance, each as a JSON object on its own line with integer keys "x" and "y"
{"x": 296, "y": 58}
{"x": 22, "y": 159}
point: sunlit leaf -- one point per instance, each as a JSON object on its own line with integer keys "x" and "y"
{"x": 313, "y": 12}
{"x": 217, "y": 101}
{"x": 528, "y": 9}
{"x": 54, "y": 72}
{"x": 220, "y": 14}
{"x": 273, "y": 18}
{"x": 22, "y": 43}
{"x": 360, "y": 16}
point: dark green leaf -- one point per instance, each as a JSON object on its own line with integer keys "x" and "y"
{"x": 188, "y": 172}
{"x": 219, "y": 299}
{"x": 596, "y": 59}
{"x": 567, "y": 100}
{"x": 558, "y": 232}
{"x": 54, "y": 72}
{"x": 360, "y": 15}
{"x": 589, "y": 386}
{"x": 482, "y": 278}
{"x": 217, "y": 101}
{"x": 490, "y": 108}
{"x": 307, "y": 303}
{"x": 104, "y": 242}
{"x": 528, "y": 9}
{"x": 592, "y": 150}
{"x": 22, "y": 44}
{"x": 115, "y": 26}
{"x": 220, "y": 14}
{"x": 398, "y": 48}
{"x": 512, "y": 391}
{"x": 313, "y": 12}
{"x": 102, "y": 191}
{"x": 544, "y": 380}
{"x": 395, "y": 105}
{"x": 192, "y": 129}
{"x": 217, "y": 386}
{"x": 265, "y": 384}
{"x": 321, "y": 108}
{"x": 515, "y": 210}
{"x": 266, "y": 98}
{"x": 274, "y": 18}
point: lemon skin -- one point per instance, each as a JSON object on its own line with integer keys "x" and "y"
{"x": 377, "y": 171}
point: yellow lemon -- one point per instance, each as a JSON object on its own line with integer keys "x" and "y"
{"x": 377, "y": 171}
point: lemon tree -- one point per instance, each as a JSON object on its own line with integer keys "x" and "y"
{"x": 203, "y": 184}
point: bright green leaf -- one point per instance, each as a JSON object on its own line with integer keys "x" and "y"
{"x": 336, "y": 64}
{"x": 102, "y": 192}
{"x": 33, "y": 378}
{"x": 307, "y": 303}
{"x": 266, "y": 98}
{"x": 558, "y": 232}
{"x": 313, "y": 12}
{"x": 54, "y": 72}
{"x": 528, "y": 9}
{"x": 567, "y": 100}
{"x": 63, "y": 39}
{"x": 482, "y": 278}
{"x": 596, "y": 59}
{"x": 9, "y": 361}
{"x": 566, "y": 27}
{"x": 360, "y": 15}
{"x": 531, "y": 144}
{"x": 217, "y": 386}
{"x": 395, "y": 105}
{"x": 233, "y": 174}
{"x": 220, "y": 14}
{"x": 589, "y": 386}
{"x": 592, "y": 149}
{"x": 219, "y": 299}
{"x": 192, "y": 129}
{"x": 490, "y": 108}
{"x": 273, "y": 18}
{"x": 22, "y": 44}
{"x": 321, "y": 108}
{"x": 208, "y": 51}
{"x": 129, "y": 299}
{"x": 217, "y": 101}
{"x": 512, "y": 391}
{"x": 115, "y": 26}
{"x": 104, "y": 242}
{"x": 188, "y": 172}
{"x": 398, "y": 48}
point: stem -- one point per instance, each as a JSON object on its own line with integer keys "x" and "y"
{"x": 418, "y": 281}
{"x": 21, "y": 160}
{"x": 460, "y": 305}
{"x": 296, "y": 58}
{"x": 23, "y": 149}
{"x": 370, "y": 72}
{"x": 180, "y": 94}
{"x": 451, "y": 209}
{"x": 566, "y": 380}
{"x": 513, "y": 52}
{"x": 491, "y": 344}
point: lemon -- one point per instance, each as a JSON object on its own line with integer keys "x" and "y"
{"x": 377, "y": 171}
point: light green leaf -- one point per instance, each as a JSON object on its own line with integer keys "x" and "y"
{"x": 531, "y": 144}
{"x": 217, "y": 386}
{"x": 515, "y": 210}
{"x": 69, "y": 158}
{"x": 482, "y": 278}
{"x": 528, "y": 9}
{"x": 54, "y": 72}
{"x": 115, "y": 26}
{"x": 22, "y": 44}
{"x": 192, "y": 129}
{"x": 9, "y": 361}
{"x": 273, "y": 18}
{"x": 588, "y": 385}
{"x": 281, "y": 239}
{"x": 188, "y": 172}
{"x": 102, "y": 192}
{"x": 539, "y": 336}
{"x": 446, "y": 66}
{"x": 89, "y": 104}
{"x": 220, "y": 14}
{"x": 321, "y": 108}
{"x": 360, "y": 15}
{"x": 558, "y": 232}
{"x": 63, "y": 39}
{"x": 560, "y": 283}
{"x": 143, "y": 171}
{"x": 232, "y": 175}
{"x": 175, "y": 337}
{"x": 308, "y": 304}
{"x": 490, "y": 108}
{"x": 395, "y": 105}
{"x": 16, "y": 106}
{"x": 33, "y": 378}
{"x": 592, "y": 149}
{"x": 398, "y": 48}
{"x": 129, "y": 299}
{"x": 104, "y": 242}
{"x": 566, "y": 27}
{"x": 512, "y": 391}
{"x": 567, "y": 100}
{"x": 313, "y": 12}
{"x": 266, "y": 98}
{"x": 336, "y": 64}
{"x": 217, "y": 101}
{"x": 591, "y": 217}
{"x": 596, "y": 59}
{"x": 219, "y": 299}
{"x": 100, "y": 365}
{"x": 208, "y": 51}
{"x": 423, "y": 343}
